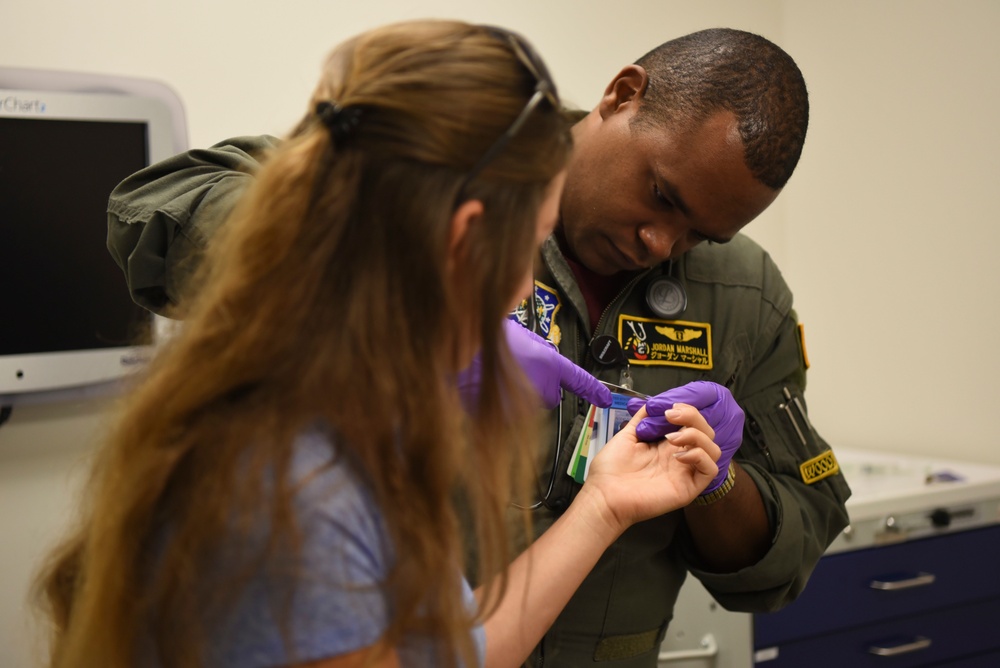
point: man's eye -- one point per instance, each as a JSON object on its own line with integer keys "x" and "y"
{"x": 660, "y": 197}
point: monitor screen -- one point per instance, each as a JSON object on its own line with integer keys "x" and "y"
{"x": 66, "y": 318}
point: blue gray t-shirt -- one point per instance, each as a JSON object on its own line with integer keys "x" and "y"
{"x": 340, "y": 606}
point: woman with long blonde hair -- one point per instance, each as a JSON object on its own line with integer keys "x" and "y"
{"x": 290, "y": 481}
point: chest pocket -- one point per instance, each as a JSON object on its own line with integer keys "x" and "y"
{"x": 729, "y": 367}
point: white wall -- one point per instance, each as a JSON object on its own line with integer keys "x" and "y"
{"x": 44, "y": 452}
{"x": 891, "y": 225}
{"x": 883, "y": 232}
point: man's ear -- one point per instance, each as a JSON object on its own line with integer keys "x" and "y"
{"x": 464, "y": 217}
{"x": 628, "y": 86}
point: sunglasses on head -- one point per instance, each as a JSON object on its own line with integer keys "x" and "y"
{"x": 545, "y": 89}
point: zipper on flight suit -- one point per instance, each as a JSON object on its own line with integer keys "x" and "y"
{"x": 627, "y": 380}
{"x": 757, "y": 434}
{"x": 628, "y": 287}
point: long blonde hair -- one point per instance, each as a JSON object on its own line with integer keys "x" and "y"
{"x": 325, "y": 299}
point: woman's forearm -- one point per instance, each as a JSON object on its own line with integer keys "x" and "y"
{"x": 544, "y": 577}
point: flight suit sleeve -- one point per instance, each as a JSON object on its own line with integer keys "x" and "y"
{"x": 794, "y": 469}
{"x": 161, "y": 218}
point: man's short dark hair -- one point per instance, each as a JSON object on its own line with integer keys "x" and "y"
{"x": 721, "y": 69}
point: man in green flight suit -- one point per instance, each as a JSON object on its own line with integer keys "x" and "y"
{"x": 684, "y": 148}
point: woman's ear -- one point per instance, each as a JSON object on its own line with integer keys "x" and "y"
{"x": 466, "y": 215}
{"x": 457, "y": 275}
{"x": 629, "y": 85}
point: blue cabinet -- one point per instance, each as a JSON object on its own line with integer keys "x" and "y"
{"x": 923, "y": 602}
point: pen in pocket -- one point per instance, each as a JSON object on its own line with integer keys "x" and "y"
{"x": 795, "y": 424}
{"x": 798, "y": 405}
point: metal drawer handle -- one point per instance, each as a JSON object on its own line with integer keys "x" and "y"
{"x": 915, "y": 646}
{"x": 709, "y": 648}
{"x": 920, "y": 580}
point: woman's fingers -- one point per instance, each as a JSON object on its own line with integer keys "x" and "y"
{"x": 695, "y": 432}
{"x": 686, "y": 415}
{"x": 703, "y": 464}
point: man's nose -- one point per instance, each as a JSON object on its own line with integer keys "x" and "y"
{"x": 659, "y": 240}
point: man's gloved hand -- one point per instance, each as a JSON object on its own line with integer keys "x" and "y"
{"x": 545, "y": 368}
{"x": 713, "y": 401}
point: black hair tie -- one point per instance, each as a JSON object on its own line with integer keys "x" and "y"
{"x": 340, "y": 121}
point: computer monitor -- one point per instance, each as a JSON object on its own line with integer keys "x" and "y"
{"x": 66, "y": 318}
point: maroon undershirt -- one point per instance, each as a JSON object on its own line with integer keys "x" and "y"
{"x": 598, "y": 291}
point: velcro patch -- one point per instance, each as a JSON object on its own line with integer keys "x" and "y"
{"x": 802, "y": 345}
{"x": 817, "y": 468}
{"x": 620, "y": 648}
{"x": 649, "y": 342}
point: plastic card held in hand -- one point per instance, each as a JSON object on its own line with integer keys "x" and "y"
{"x": 600, "y": 425}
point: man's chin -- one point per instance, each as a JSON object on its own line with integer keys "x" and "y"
{"x": 607, "y": 268}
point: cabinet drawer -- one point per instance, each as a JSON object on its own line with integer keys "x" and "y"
{"x": 961, "y": 636}
{"x": 915, "y": 576}
{"x": 988, "y": 660}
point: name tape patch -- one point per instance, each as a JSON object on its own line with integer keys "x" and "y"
{"x": 650, "y": 342}
{"x": 817, "y": 468}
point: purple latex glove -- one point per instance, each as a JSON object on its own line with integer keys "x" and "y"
{"x": 713, "y": 401}
{"x": 545, "y": 368}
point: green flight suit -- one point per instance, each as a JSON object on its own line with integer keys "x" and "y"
{"x": 737, "y": 298}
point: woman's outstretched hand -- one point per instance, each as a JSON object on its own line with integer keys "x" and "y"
{"x": 631, "y": 480}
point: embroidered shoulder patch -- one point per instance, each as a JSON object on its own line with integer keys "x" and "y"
{"x": 649, "y": 342}
{"x": 546, "y": 305}
{"x": 817, "y": 468}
